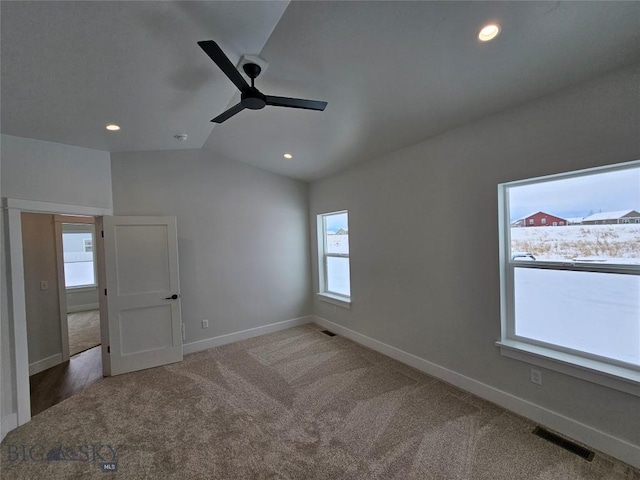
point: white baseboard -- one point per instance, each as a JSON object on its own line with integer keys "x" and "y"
{"x": 45, "y": 363}
{"x": 9, "y": 422}
{"x": 82, "y": 308}
{"x": 616, "y": 447}
{"x": 243, "y": 334}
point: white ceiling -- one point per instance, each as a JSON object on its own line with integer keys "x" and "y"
{"x": 393, "y": 73}
{"x": 70, "y": 68}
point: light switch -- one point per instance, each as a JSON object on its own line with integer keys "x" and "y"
{"x": 44, "y": 285}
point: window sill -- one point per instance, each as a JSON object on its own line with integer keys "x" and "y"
{"x": 612, "y": 376}
{"x": 344, "y": 302}
{"x": 81, "y": 288}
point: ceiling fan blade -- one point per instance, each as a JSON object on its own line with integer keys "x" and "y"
{"x": 228, "y": 114}
{"x": 295, "y": 103}
{"x": 216, "y": 54}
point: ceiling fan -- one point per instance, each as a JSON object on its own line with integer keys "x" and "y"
{"x": 251, "y": 97}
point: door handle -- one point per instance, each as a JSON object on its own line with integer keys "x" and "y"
{"x": 172, "y": 297}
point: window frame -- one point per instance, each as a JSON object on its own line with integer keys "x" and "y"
{"x": 602, "y": 370}
{"x": 324, "y": 293}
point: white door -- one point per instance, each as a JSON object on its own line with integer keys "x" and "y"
{"x": 139, "y": 293}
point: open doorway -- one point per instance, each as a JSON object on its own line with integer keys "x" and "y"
{"x": 18, "y": 295}
{"x": 63, "y": 323}
{"x": 81, "y": 285}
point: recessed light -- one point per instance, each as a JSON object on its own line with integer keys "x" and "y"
{"x": 288, "y": 156}
{"x": 489, "y": 32}
{"x": 113, "y": 127}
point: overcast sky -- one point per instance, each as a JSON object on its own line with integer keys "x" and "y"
{"x": 577, "y": 197}
{"x": 336, "y": 222}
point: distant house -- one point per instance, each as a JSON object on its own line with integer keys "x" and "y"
{"x": 612, "y": 218}
{"x": 540, "y": 219}
{"x": 342, "y": 231}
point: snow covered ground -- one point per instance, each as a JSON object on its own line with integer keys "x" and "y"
{"x": 587, "y": 311}
{"x": 592, "y": 312}
{"x": 338, "y": 268}
{"x": 618, "y": 243}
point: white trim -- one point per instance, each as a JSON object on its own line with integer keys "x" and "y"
{"x": 83, "y": 308}
{"x": 244, "y": 334}
{"x": 62, "y": 293}
{"x": 608, "y": 372}
{"x": 45, "y": 363}
{"x": 575, "y": 173}
{"x": 344, "y": 302}
{"x": 9, "y": 422}
{"x": 612, "y": 376}
{"x": 604, "y": 442}
{"x": 84, "y": 288}
{"x": 18, "y": 306}
{"x": 60, "y": 208}
{"x": 321, "y": 222}
{"x": 19, "y": 315}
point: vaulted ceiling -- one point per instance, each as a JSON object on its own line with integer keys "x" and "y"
{"x": 393, "y": 73}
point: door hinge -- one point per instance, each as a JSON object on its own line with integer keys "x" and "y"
{"x": 105, "y": 292}
{"x": 109, "y": 349}
{"x": 102, "y": 233}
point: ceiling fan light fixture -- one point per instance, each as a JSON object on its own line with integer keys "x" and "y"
{"x": 288, "y": 156}
{"x": 112, "y": 127}
{"x": 489, "y": 32}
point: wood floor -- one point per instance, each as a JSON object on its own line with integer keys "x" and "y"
{"x": 63, "y": 381}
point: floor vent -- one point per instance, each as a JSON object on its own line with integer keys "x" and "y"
{"x": 327, "y": 332}
{"x": 564, "y": 443}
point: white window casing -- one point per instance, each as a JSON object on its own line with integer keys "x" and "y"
{"x": 325, "y": 258}
{"x": 604, "y": 369}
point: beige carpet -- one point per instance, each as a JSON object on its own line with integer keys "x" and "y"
{"x": 84, "y": 331}
{"x": 295, "y": 404}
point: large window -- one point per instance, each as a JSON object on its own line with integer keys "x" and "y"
{"x": 77, "y": 250}
{"x": 333, "y": 255}
{"x": 571, "y": 285}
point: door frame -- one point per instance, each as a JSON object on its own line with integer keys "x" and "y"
{"x": 17, "y": 308}
{"x": 58, "y": 220}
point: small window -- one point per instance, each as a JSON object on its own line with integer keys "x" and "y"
{"x": 78, "y": 255}
{"x": 531, "y": 221}
{"x": 333, "y": 255}
{"x": 573, "y": 293}
{"x": 544, "y": 221}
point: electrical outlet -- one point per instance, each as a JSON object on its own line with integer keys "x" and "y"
{"x": 536, "y": 376}
{"x": 44, "y": 285}
{"x": 205, "y": 323}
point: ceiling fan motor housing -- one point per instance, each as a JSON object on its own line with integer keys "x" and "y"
{"x": 253, "y": 99}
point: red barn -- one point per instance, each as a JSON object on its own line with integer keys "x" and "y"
{"x": 540, "y": 219}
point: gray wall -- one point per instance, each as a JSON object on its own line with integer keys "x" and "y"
{"x": 242, "y": 236}
{"x": 43, "y": 310}
{"x": 82, "y": 299}
{"x": 46, "y": 172}
{"x": 56, "y": 173}
{"x": 424, "y": 238}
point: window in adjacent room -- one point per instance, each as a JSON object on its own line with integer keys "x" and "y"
{"x": 77, "y": 251}
{"x": 333, "y": 256}
{"x": 570, "y": 293}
